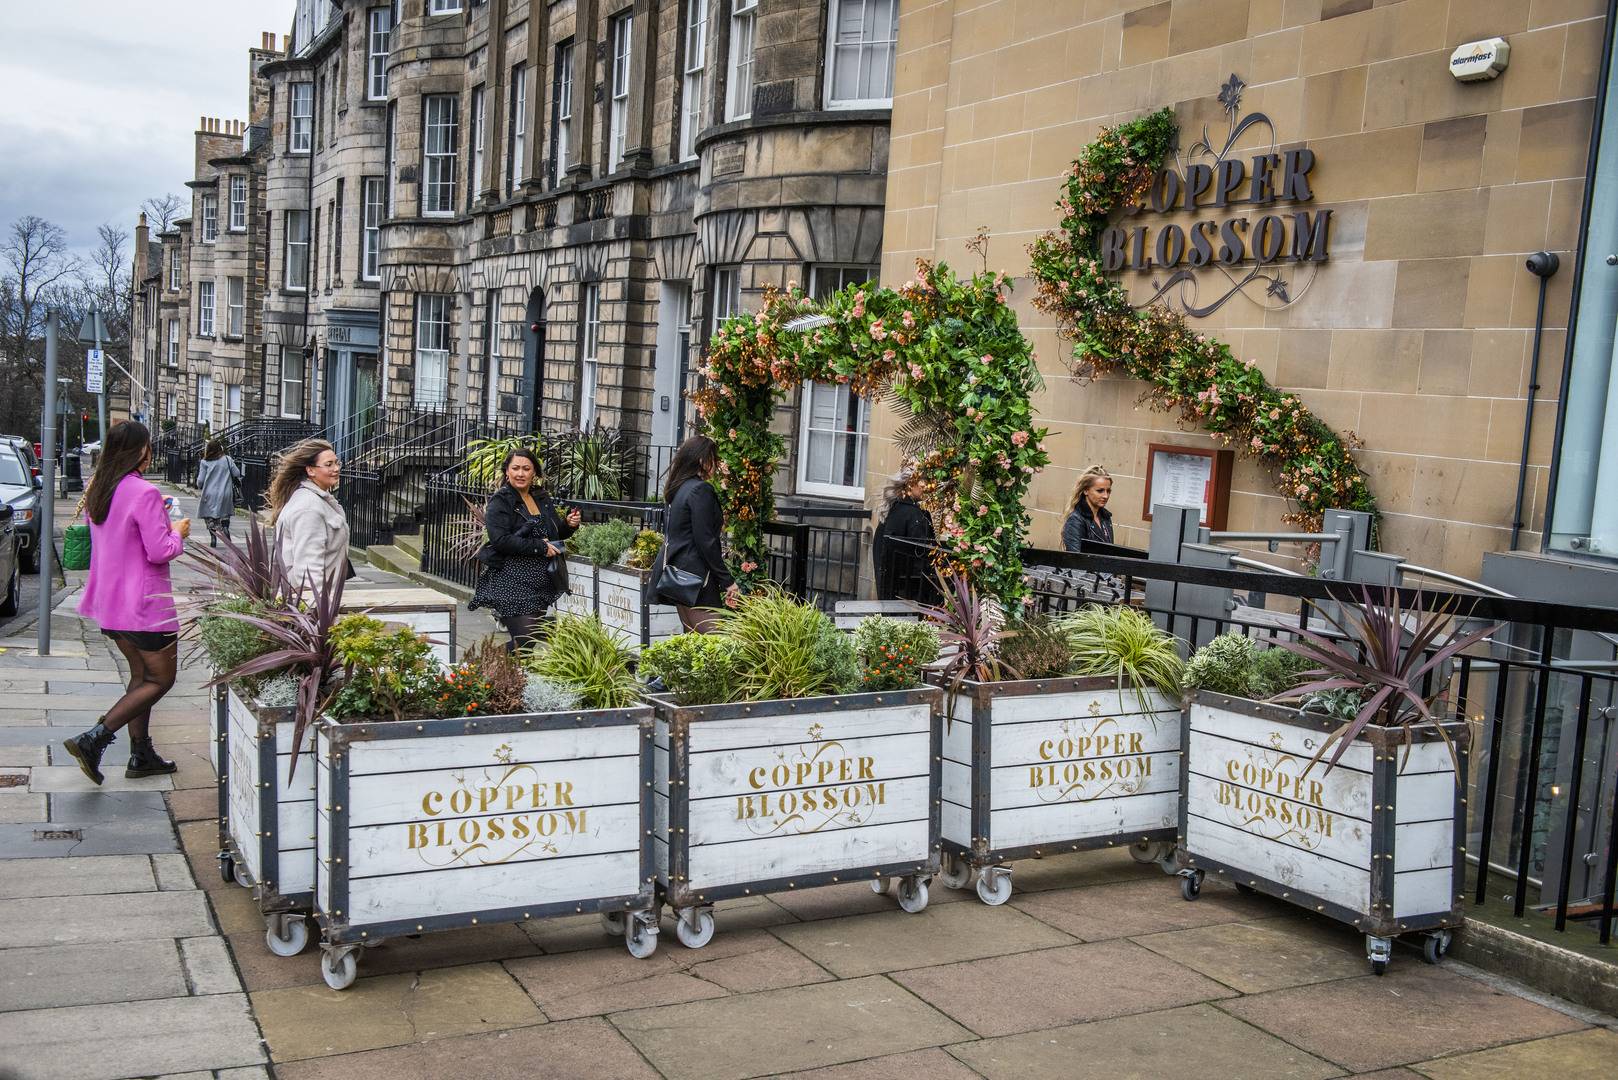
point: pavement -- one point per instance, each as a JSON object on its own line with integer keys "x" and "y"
{"x": 123, "y": 954}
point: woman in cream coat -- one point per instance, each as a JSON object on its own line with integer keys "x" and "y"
{"x": 311, "y": 531}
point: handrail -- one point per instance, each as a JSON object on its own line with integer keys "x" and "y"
{"x": 1279, "y": 538}
{"x": 1453, "y": 579}
{"x": 1263, "y": 567}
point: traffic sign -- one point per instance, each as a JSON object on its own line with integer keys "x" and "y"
{"x": 93, "y": 371}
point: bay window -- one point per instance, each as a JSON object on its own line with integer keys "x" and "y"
{"x": 440, "y": 119}
{"x": 739, "y": 91}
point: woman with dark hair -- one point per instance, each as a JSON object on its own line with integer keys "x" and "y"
{"x": 903, "y": 571}
{"x": 217, "y": 476}
{"x": 129, "y": 594}
{"x": 693, "y": 522}
{"x": 524, "y": 562}
{"x": 311, "y": 530}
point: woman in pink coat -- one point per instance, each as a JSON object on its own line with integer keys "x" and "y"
{"x": 128, "y": 593}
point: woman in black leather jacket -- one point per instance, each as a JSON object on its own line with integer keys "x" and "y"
{"x": 1088, "y": 518}
{"x": 524, "y": 562}
{"x": 694, "y": 523}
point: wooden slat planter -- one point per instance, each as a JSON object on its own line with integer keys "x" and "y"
{"x": 618, "y": 595}
{"x": 1373, "y": 843}
{"x": 443, "y": 824}
{"x": 779, "y": 796}
{"x": 1036, "y": 767}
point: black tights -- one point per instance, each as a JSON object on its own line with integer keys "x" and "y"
{"x": 151, "y": 676}
{"x": 525, "y": 630}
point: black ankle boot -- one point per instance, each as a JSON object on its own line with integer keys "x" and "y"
{"x": 144, "y": 760}
{"x": 87, "y": 749}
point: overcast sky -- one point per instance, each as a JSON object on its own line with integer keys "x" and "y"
{"x": 102, "y": 100}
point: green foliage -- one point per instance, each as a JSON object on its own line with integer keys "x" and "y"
{"x": 589, "y": 465}
{"x": 581, "y": 652}
{"x": 948, "y": 351}
{"x": 1223, "y": 666}
{"x": 1277, "y": 671}
{"x": 1036, "y": 648}
{"x": 481, "y": 466}
{"x": 787, "y": 649}
{"x": 643, "y": 552}
{"x": 230, "y": 643}
{"x": 542, "y": 695}
{"x": 391, "y": 673}
{"x": 698, "y": 669}
{"x": 488, "y": 681}
{"x": 1122, "y": 641}
{"x": 1186, "y": 372}
{"x": 605, "y": 543}
{"x": 1340, "y": 704}
{"x": 893, "y": 652}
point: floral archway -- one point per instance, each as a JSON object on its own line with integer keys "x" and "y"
{"x": 1186, "y": 372}
{"x": 949, "y": 355}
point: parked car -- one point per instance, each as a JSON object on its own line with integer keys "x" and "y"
{"x": 19, "y": 491}
{"x": 11, "y": 597}
{"x": 30, "y": 451}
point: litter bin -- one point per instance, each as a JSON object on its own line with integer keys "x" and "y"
{"x": 73, "y": 472}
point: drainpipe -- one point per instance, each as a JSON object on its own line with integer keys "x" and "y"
{"x": 1542, "y": 264}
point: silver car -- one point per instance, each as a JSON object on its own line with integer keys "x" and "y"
{"x": 19, "y": 491}
{"x": 11, "y": 591}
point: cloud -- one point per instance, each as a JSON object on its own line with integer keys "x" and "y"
{"x": 103, "y": 98}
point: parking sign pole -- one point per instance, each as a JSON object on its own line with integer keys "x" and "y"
{"x": 47, "y": 500}
{"x": 101, "y": 398}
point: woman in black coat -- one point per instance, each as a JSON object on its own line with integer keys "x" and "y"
{"x": 693, "y": 523}
{"x": 903, "y": 571}
{"x": 524, "y": 562}
{"x": 1088, "y": 518}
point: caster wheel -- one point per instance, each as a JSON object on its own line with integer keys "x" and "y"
{"x": 994, "y": 886}
{"x": 957, "y": 874}
{"x": 1435, "y": 946}
{"x": 239, "y": 873}
{"x": 1145, "y": 851}
{"x": 339, "y": 971}
{"x": 1244, "y": 889}
{"x": 695, "y": 935}
{"x": 612, "y": 923}
{"x": 640, "y": 938}
{"x": 227, "y": 869}
{"x": 1379, "y": 967}
{"x": 1191, "y": 885}
{"x": 912, "y": 894}
{"x": 881, "y": 885}
{"x": 287, "y": 935}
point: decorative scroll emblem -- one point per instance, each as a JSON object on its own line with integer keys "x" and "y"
{"x": 1259, "y": 229}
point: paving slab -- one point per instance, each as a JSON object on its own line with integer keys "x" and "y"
{"x": 1075, "y": 984}
{"x": 208, "y": 966}
{"x": 1147, "y": 906}
{"x": 140, "y": 1038}
{"x": 173, "y": 873}
{"x": 390, "y": 1010}
{"x": 195, "y": 804}
{"x": 102, "y": 805}
{"x": 1583, "y": 1055}
{"x": 892, "y": 940}
{"x": 61, "y": 975}
{"x": 263, "y": 970}
{"x": 1455, "y": 1014}
{"x": 602, "y": 981}
{"x": 85, "y": 920}
{"x": 53, "y": 778}
{"x": 587, "y": 1049}
{"x": 572, "y": 933}
{"x": 58, "y": 838}
{"x": 1076, "y": 868}
{"x": 1196, "y": 1041}
{"x": 35, "y": 734}
{"x": 22, "y": 757}
{"x": 932, "y": 1064}
{"x": 829, "y": 1024}
{"x": 79, "y": 877}
{"x": 764, "y": 969}
{"x": 22, "y": 808}
{"x": 1268, "y": 954}
{"x": 851, "y": 898}
{"x": 235, "y": 911}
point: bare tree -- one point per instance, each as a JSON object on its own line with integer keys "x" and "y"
{"x": 36, "y": 271}
{"x": 161, "y": 210}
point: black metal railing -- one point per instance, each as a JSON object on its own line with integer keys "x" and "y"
{"x": 1541, "y": 697}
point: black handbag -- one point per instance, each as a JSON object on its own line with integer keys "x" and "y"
{"x": 680, "y": 587}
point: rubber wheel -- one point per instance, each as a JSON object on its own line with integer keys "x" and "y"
{"x": 227, "y": 869}
{"x": 296, "y": 939}
{"x": 912, "y": 895}
{"x": 238, "y": 873}
{"x": 1434, "y": 947}
{"x": 957, "y": 874}
{"x": 881, "y": 885}
{"x": 698, "y": 936}
{"x": 29, "y": 558}
{"x": 994, "y": 889}
{"x": 1245, "y": 889}
{"x": 1144, "y": 851}
{"x": 640, "y": 940}
{"x": 1190, "y": 886}
{"x": 612, "y": 923}
{"x": 339, "y": 975}
{"x": 1379, "y": 967}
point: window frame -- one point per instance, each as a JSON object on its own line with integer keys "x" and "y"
{"x": 174, "y": 267}
{"x": 300, "y": 126}
{"x": 862, "y": 432}
{"x": 562, "y": 110}
{"x": 171, "y": 405}
{"x": 742, "y": 12}
{"x": 437, "y": 193}
{"x": 621, "y": 36}
{"x": 517, "y": 128}
{"x": 235, "y": 307}
{"x": 207, "y": 307}
{"x": 301, "y": 382}
{"x": 210, "y": 217}
{"x": 205, "y": 405}
{"x": 371, "y": 232}
{"x": 288, "y": 244}
{"x": 233, "y": 390}
{"x": 171, "y": 353}
{"x": 832, "y": 103}
{"x": 376, "y": 63}
{"x": 589, "y": 347}
{"x": 436, "y": 8}
{"x": 237, "y": 222}
{"x": 693, "y": 77}
{"x": 477, "y": 139}
{"x": 427, "y": 314}
{"x": 391, "y": 157}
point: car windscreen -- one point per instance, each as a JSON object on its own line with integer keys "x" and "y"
{"x": 13, "y": 473}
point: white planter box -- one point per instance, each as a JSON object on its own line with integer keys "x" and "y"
{"x": 268, "y": 817}
{"x": 786, "y": 795}
{"x": 1034, "y": 767}
{"x": 1372, "y": 843}
{"x": 617, "y": 595}
{"x": 442, "y": 824}
{"x": 426, "y": 611}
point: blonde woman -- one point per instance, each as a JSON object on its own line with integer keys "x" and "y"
{"x": 901, "y": 570}
{"x": 1088, "y": 518}
{"x": 311, "y": 530}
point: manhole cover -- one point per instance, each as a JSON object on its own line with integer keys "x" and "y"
{"x": 13, "y": 779}
{"x": 58, "y": 834}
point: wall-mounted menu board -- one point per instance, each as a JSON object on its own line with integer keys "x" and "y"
{"x": 1190, "y": 476}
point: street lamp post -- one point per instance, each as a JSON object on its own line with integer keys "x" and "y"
{"x": 47, "y": 502}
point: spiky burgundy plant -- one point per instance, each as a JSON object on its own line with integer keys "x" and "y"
{"x": 255, "y": 571}
{"x": 1391, "y": 674}
{"x": 969, "y": 634}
